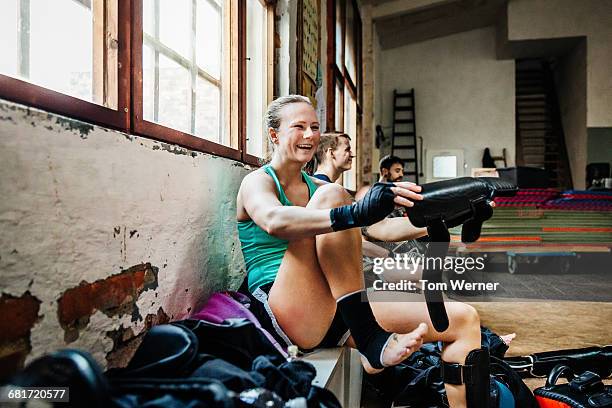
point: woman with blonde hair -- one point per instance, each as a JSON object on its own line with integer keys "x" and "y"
{"x": 301, "y": 242}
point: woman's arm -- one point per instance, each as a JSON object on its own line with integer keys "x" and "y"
{"x": 394, "y": 230}
{"x": 258, "y": 197}
{"x": 372, "y": 250}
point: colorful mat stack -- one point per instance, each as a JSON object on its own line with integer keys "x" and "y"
{"x": 581, "y": 200}
{"x": 528, "y": 197}
{"x": 547, "y": 216}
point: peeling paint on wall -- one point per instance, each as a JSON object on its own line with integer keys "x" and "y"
{"x": 78, "y": 213}
{"x": 115, "y": 295}
{"x": 74, "y": 126}
{"x": 19, "y": 315}
{"x": 125, "y": 342}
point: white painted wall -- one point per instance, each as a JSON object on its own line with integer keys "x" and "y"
{"x": 464, "y": 96}
{"x": 528, "y": 20}
{"x": 63, "y": 195}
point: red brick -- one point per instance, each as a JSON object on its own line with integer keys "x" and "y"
{"x": 110, "y": 295}
{"x": 19, "y": 314}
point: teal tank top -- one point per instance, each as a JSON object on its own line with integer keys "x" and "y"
{"x": 262, "y": 252}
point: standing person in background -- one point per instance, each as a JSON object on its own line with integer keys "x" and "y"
{"x": 391, "y": 169}
{"x": 334, "y": 156}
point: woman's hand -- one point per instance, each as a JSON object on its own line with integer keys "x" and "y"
{"x": 376, "y": 204}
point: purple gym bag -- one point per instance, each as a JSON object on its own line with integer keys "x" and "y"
{"x": 232, "y": 305}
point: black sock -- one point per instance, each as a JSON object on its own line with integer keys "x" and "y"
{"x": 369, "y": 337}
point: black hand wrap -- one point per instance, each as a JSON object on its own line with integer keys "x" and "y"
{"x": 373, "y": 207}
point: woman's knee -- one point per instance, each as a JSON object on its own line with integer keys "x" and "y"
{"x": 331, "y": 195}
{"x": 464, "y": 316}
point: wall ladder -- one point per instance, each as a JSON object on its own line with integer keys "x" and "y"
{"x": 404, "y": 138}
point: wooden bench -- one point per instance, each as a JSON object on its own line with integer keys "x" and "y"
{"x": 338, "y": 370}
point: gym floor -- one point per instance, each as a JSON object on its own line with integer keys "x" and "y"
{"x": 543, "y": 326}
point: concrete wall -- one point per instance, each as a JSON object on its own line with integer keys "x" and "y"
{"x": 464, "y": 96}
{"x": 105, "y": 234}
{"x": 529, "y": 20}
{"x": 599, "y": 146}
{"x": 571, "y": 81}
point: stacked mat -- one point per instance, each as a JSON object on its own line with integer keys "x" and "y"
{"x": 546, "y": 216}
{"x": 549, "y": 226}
{"x": 528, "y": 197}
{"x": 581, "y": 200}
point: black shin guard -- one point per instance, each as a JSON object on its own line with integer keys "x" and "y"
{"x": 369, "y": 337}
{"x": 474, "y": 374}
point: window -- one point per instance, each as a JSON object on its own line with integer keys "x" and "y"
{"x": 182, "y": 56}
{"x": 344, "y": 75}
{"x": 63, "y": 52}
{"x": 172, "y": 70}
{"x": 259, "y": 66}
{"x": 350, "y": 128}
{"x": 36, "y": 51}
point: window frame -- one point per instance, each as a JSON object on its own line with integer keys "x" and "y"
{"x": 143, "y": 127}
{"x": 128, "y": 117}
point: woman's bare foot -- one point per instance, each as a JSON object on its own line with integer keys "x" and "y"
{"x": 507, "y": 339}
{"x": 399, "y": 348}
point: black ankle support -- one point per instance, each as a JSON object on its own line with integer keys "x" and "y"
{"x": 474, "y": 374}
{"x": 369, "y": 337}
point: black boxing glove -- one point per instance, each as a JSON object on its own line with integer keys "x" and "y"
{"x": 470, "y": 232}
{"x": 464, "y": 200}
{"x": 373, "y": 207}
{"x": 454, "y": 201}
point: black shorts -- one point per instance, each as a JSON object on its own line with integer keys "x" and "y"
{"x": 336, "y": 335}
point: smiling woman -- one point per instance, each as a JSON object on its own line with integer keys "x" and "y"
{"x": 284, "y": 220}
{"x": 302, "y": 249}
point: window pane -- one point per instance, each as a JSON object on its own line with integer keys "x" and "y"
{"x": 349, "y": 47}
{"x": 174, "y": 95}
{"x": 37, "y": 51}
{"x": 149, "y": 88}
{"x": 339, "y": 16}
{"x": 148, "y": 17}
{"x": 8, "y": 33}
{"x": 338, "y": 110}
{"x": 56, "y": 45}
{"x": 209, "y": 37}
{"x": 208, "y": 110}
{"x": 182, "y": 69}
{"x": 175, "y": 25}
{"x": 350, "y": 128}
{"x": 50, "y": 64}
{"x": 257, "y": 86}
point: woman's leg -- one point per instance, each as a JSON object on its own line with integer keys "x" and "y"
{"x": 462, "y": 336}
{"x": 316, "y": 272}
